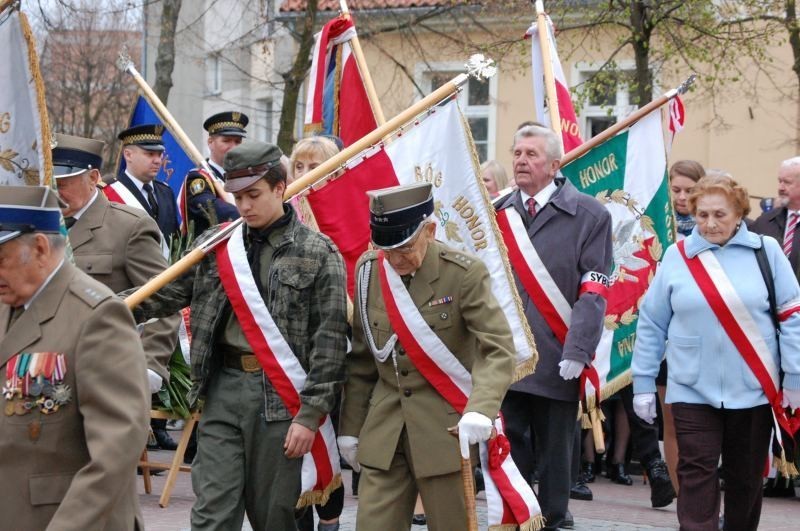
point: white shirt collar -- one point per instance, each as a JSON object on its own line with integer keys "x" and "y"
{"x": 541, "y": 197}
{"x": 216, "y": 166}
{"x": 137, "y": 182}
{"x": 44, "y": 284}
{"x": 79, "y": 213}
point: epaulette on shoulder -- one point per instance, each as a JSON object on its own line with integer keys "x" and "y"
{"x": 88, "y": 293}
{"x": 160, "y": 183}
{"x": 131, "y": 211}
{"x": 101, "y": 184}
{"x": 462, "y": 259}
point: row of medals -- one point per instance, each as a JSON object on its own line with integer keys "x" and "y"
{"x": 42, "y": 395}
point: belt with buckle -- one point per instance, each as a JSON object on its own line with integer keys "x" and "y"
{"x": 240, "y": 361}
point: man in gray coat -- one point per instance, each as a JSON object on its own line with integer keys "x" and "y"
{"x": 571, "y": 234}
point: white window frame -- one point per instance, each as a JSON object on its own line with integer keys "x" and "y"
{"x": 214, "y": 74}
{"x": 266, "y": 128}
{"x": 422, "y": 78}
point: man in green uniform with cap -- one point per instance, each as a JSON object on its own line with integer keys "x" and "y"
{"x": 394, "y": 420}
{"x": 250, "y": 446}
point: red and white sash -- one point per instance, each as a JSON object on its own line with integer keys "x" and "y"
{"x": 321, "y": 473}
{"x": 118, "y": 193}
{"x": 542, "y": 290}
{"x": 509, "y": 497}
{"x": 742, "y": 330}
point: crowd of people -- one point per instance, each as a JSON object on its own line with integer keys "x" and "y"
{"x": 287, "y": 384}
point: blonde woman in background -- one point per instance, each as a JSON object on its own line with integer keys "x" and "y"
{"x": 494, "y": 177}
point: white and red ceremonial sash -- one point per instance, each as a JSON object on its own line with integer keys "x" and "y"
{"x": 542, "y": 290}
{"x": 320, "y": 473}
{"x": 740, "y": 327}
{"x": 509, "y": 497}
{"x": 118, "y": 193}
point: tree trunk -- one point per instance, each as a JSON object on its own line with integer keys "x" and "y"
{"x": 165, "y": 59}
{"x": 642, "y": 30}
{"x": 293, "y": 79}
{"x": 794, "y": 41}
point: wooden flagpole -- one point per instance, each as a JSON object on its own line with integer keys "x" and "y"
{"x": 477, "y": 68}
{"x": 549, "y": 76}
{"x": 361, "y": 61}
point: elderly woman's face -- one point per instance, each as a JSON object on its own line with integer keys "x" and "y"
{"x": 716, "y": 218}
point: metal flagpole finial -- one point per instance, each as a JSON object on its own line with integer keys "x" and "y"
{"x": 124, "y": 62}
{"x": 480, "y": 67}
{"x": 684, "y": 87}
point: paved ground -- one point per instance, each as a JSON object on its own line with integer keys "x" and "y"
{"x": 614, "y": 507}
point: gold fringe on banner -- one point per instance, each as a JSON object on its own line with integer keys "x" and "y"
{"x": 319, "y": 497}
{"x": 534, "y": 524}
{"x": 785, "y": 467}
{"x": 337, "y": 86}
{"x": 528, "y": 366}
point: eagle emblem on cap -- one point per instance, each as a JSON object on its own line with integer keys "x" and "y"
{"x": 236, "y": 116}
{"x": 159, "y": 129}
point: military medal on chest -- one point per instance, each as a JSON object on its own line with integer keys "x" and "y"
{"x": 35, "y": 381}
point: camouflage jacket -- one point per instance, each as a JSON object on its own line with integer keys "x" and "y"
{"x": 307, "y": 300}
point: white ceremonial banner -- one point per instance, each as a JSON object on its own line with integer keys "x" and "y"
{"x": 24, "y": 132}
{"x": 440, "y": 151}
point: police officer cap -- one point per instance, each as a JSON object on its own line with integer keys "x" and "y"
{"x": 397, "y": 213}
{"x": 227, "y": 123}
{"x": 247, "y": 163}
{"x": 26, "y": 209}
{"x": 147, "y": 137}
{"x": 73, "y": 155}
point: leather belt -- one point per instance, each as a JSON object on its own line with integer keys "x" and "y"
{"x": 240, "y": 361}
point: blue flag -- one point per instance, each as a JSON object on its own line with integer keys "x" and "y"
{"x": 176, "y": 162}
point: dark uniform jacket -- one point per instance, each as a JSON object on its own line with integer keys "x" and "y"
{"x": 167, "y": 207}
{"x": 120, "y": 246}
{"x": 307, "y": 300}
{"x": 572, "y": 234}
{"x": 773, "y": 223}
{"x": 202, "y": 204}
{"x": 80, "y": 472}
{"x": 379, "y": 403}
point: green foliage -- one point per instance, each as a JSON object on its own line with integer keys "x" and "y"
{"x": 172, "y": 395}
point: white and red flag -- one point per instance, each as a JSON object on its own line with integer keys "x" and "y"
{"x": 570, "y": 132}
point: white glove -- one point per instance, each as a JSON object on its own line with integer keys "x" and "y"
{"x": 791, "y": 399}
{"x": 644, "y": 405}
{"x": 472, "y": 429}
{"x": 570, "y": 369}
{"x": 154, "y": 380}
{"x": 348, "y": 449}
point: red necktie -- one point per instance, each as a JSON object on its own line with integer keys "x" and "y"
{"x": 531, "y": 206}
{"x": 788, "y": 238}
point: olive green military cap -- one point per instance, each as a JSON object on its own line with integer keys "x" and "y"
{"x": 397, "y": 213}
{"x": 26, "y": 209}
{"x": 73, "y": 155}
{"x": 248, "y": 162}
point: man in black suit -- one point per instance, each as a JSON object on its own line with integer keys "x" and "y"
{"x": 779, "y": 222}
{"x": 143, "y": 150}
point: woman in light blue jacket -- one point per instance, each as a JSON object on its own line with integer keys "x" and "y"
{"x": 718, "y": 404}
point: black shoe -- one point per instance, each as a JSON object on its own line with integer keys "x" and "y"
{"x": 661, "y": 491}
{"x": 164, "y": 441}
{"x": 779, "y": 487}
{"x": 568, "y": 522}
{"x": 354, "y": 482}
{"x": 587, "y": 472}
{"x": 580, "y": 491}
{"x": 479, "y": 483}
{"x": 616, "y": 473}
{"x": 419, "y": 519}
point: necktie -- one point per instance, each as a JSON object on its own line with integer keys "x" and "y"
{"x": 531, "y": 202}
{"x": 15, "y": 314}
{"x": 788, "y": 238}
{"x": 151, "y": 199}
{"x": 69, "y": 221}
{"x": 406, "y": 280}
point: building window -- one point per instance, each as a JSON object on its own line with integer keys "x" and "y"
{"x": 603, "y": 97}
{"x": 477, "y": 102}
{"x": 264, "y": 117}
{"x": 213, "y": 74}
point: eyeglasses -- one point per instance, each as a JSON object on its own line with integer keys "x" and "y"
{"x": 407, "y": 248}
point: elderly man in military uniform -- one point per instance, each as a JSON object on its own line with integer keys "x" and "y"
{"x": 394, "y": 420}
{"x": 117, "y": 245}
{"x": 268, "y": 308}
{"x": 143, "y": 151}
{"x": 202, "y": 203}
{"x": 75, "y": 383}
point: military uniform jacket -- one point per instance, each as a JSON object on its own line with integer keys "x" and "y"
{"x": 167, "y": 206}
{"x": 773, "y": 223}
{"x": 80, "y": 474}
{"x": 572, "y": 234}
{"x": 379, "y": 403}
{"x": 120, "y": 246}
{"x": 200, "y": 200}
{"x": 307, "y": 300}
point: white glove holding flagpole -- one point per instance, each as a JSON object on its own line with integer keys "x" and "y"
{"x": 348, "y": 449}
{"x": 791, "y": 399}
{"x": 644, "y": 405}
{"x": 472, "y": 429}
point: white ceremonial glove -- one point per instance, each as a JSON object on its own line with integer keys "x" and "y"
{"x": 570, "y": 369}
{"x": 644, "y": 405}
{"x": 472, "y": 429}
{"x": 154, "y": 380}
{"x": 348, "y": 449}
{"x": 791, "y": 399}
